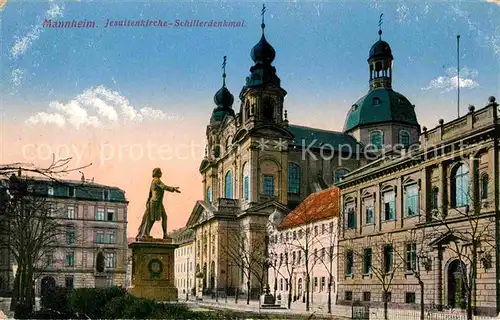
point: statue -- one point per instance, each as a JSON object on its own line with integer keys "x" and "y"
{"x": 154, "y": 206}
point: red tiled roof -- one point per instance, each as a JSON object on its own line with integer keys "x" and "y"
{"x": 317, "y": 206}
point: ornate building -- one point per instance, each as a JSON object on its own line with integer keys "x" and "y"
{"x": 419, "y": 222}
{"x": 256, "y": 164}
{"x": 93, "y": 251}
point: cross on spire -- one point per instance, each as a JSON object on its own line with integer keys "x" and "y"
{"x": 263, "y": 25}
{"x": 380, "y": 27}
{"x": 224, "y": 71}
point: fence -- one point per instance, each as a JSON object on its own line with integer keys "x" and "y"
{"x": 395, "y": 314}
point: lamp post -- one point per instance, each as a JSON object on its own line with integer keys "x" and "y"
{"x": 187, "y": 279}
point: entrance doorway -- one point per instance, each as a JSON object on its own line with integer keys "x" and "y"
{"x": 457, "y": 290}
{"x": 48, "y": 284}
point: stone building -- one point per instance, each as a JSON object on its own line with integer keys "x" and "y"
{"x": 304, "y": 246}
{"x": 428, "y": 211}
{"x": 256, "y": 164}
{"x": 95, "y": 217}
{"x": 184, "y": 261}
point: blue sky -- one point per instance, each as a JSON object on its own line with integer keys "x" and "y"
{"x": 321, "y": 54}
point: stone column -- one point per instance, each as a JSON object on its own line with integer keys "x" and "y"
{"x": 442, "y": 189}
{"x": 472, "y": 194}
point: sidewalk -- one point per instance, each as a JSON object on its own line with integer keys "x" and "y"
{"x": 338, "y": 312}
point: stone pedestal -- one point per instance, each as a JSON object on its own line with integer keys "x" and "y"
{"x": 153, "y": 269}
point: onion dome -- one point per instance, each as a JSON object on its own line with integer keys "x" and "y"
{"x": 380, "y": 49}
{"x": 263, "y": 52}
{"x": 223, "y": 98}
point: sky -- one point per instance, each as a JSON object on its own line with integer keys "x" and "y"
{"x": 129, "y": 99}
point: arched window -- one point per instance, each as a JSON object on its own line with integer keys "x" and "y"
{"x": 484, "y": 186}
{"x": 209, "y": 195}
{"x": 377, "y": 138}
{"x": 460, "y": 186}
{"x": 246, "y": 181}
{"x": 293, "y": 178}
{"x": 339, "y": 174}
{"x": 404, "y": 138}
{"x": 228, "y": 185}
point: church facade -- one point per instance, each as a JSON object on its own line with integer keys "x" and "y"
{"x": 257, "y": 168}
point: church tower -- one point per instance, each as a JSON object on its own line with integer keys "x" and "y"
{"x": 383, "y": 118}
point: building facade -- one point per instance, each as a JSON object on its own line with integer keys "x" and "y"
{"x": 303, "y": 252}
{"x": 429, "y": 213}
{"x": 256, "y": 165}
{"x": 93, "y": 251}
{"x": 184, "y": 262}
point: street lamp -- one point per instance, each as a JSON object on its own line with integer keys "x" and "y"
{"x": 187, "y": 279}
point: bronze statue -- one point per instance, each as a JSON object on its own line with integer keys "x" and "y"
{"x": 154, "y": 206}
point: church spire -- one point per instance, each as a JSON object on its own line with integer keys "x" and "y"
{"x": 263, "y": 25}
{"x": 380, "y": 27}
{"x": 224, "y": 72}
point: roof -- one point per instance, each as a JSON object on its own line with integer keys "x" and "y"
{"x": 378, "y": 106}
{"x": 317, "y": 206}
{"x": 82, "y": 190}
{"x": 305, "y": 136}
{"x": 380, "y": 49}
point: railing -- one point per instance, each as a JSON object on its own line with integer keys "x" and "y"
{"x": 401, "y": 314}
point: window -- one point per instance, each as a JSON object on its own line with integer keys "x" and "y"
{"x": 52, "y": 210}
{"x": 387, "y": 296}
{"x": 49, "y": 257}
{"x": 228, "y": 185}
{"x": 293, "y": 258}
{"x": 387, "y": 258}
{"x": 410, "y": 297}
{"x": 246, "y": 186}
{"x": 70, "y": 236}
{"x": 411, "y": 257}
{"x": 111, "y": 215}
{"x": 350, "y": 216}
{"x": 460, "y": 186}
{"x": 389, "y": 205}
{"x": 376, "y": 101}
{"x": 323, "y": 253}
{"x": 404, "y": 138}
{"x": 323, "y": 228}
{"x": 301, "y": 234}
{"x": 484, "y": 186}
{"x": 367, "y": 296}
{"x": 377, "y": 139}
{"x": 71, "y": 213}
{"x": 315, "y": 283}
{"x": 293, "y": 178}
{"x": 369, "y": 211}
{"x": 99, "y": 237}
{"x": 99, "y": 214}
{"x": 411, "y": 200}
{"x": 299, "y": 259}
{"x": 339, "y": 174}
{"x": 435, "y": 198}
{"x": 348, "y": 295}
{"x": 246, "y": 181}
{"x": 349, "y": 262}
{"x": 105, "y": 194}
{"x": 70, "y": 259}
{"x": 367, "y": 261}
{"x": 50, "y": 191}
{"x": 323, "y": 284}
{"x": 269, "y": 185}
{"x": 209, "y": 195}
{"x": 111, "y": 237}
{"x": 110, "y": 260}
{"x": 331, "y": 227}
{"x": 71, "y": 192}
{"x": 69, "y": 281}
{"x": 281, "y": 284}
{"x": 316, "y": 231}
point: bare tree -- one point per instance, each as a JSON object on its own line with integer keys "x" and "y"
{"x": 54, "y": 171}
{"x": 378, "y": 262}
{"x": 327, "y": 260}
{"x": 31, "y": 230}
{"x": 469, "y": 232}
{"x": 249, "y": 256}
{"x": 283, "y": 266}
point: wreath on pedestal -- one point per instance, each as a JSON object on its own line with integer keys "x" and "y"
{"x": 155, "y": 268}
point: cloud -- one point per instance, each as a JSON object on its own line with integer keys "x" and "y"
{"x": 95, "y": 107}
{"x": 494, "y": 1}
{"x": 16, "y": 76}
{"x": 450, "y": 80}
{"x": 22, "y": 44}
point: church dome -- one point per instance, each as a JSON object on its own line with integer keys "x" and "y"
{"x": 263, "y": 52}
{"x": 380, "y": 49}
{"x": 223, "y": 98}
{"x": 380, "y": 106}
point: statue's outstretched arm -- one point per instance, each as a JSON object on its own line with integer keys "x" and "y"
{"x": 167, "y": 188}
